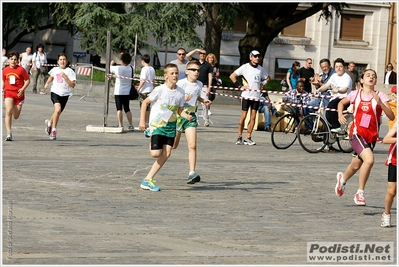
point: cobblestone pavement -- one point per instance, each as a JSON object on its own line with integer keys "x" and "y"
{"x": 77, "y": 200}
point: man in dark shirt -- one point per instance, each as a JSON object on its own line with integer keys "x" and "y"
{"x": 354, "y": 75}
{"x": 305, "y": 73}
{"x": 205, "y": 76}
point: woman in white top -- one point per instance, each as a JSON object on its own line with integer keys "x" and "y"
{"x": 122, "y": 89}
{"x": 25, "y": 59}
{"x": 39, "y": 67}
{"x": 341, "y": 85}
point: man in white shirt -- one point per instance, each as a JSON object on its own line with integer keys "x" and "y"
{"x": 181, "y": 62}
{"x": 146, "y": 85}
{"x": 254, "y": 78}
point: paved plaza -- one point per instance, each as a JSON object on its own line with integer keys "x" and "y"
{"x": 77, "y": 200}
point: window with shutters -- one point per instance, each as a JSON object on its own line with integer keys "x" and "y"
{"x": 296, "y": 29}
{"x": 352, "y": 27}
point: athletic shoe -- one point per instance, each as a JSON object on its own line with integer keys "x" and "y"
{"x": 43, "y": 92}
{"x": 385, "y": 220}
{"x": 48, "y": 128}
{"x": 9, "y": 137}
{"x": 53, "y": 135}
{"x": 339, "y": 188}
{"x": 149, "y": 185}
{"x": 267, "y": 129}
{"x": 379, "y": 140}
{"x": 338, "y": 131}
{"x": 207, "y": 123}
{"x": 147, "y": 133}
{"x": 193, "y": 178}
{"x": 248, "y": 141}
{"x": 130, "y": 128}
{"x": 359, "y": 199}
{"x": 239, "y": 141}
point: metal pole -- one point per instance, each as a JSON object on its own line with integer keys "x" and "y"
{"x": 135, "y": 54}
{"x": 107, "y": 68}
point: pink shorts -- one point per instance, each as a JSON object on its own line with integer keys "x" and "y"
{"x": 359, "y": 144}
{"x": 14, "y": 96}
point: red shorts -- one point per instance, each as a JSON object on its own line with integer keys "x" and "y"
{"x": 14, "y": 96}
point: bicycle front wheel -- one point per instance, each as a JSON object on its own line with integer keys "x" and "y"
{"x": 284, "y": 138}
{"x": 317, "y": 140}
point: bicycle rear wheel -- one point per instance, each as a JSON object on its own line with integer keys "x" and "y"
{"x": 284, "y": 138}
{"x": 317, "y": 140}
{"x": 343, "y": 140}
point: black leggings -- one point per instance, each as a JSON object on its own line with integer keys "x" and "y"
{"x": 332, "y": 116}
{"x": 122, "y": 100}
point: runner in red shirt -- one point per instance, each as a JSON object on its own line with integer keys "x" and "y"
{"x": 367, "y": 108}
{"x": 15, "y": 81}
{"x": 390, "y": 138}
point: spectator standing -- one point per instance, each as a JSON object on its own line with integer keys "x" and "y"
{"x": 39, "y": 67}
{"x": 341, "y": 85}
{"x": 367, "y": 108}
{"x": 305, "y": 74}
{"x": 205, "y": 76}
{"x": 354, "y": 74}
{"x": 390, "y": 75}
{"x": 25, "y": 59}
{"x": 255, "y": 78}
{"x": 15, "y": 82}
{"x": 167, "y": 102}
{"x": 4, "y": 58}
{"x": 392, "y": 103}
{"x": 192, "y": 89}
{"x": 216, "y": 81}
{"x": 391, "y": 162}
{"x": 146, "y": 85}
{"x": 122, "y": 89}
{"x": 63, "y": 79}
{"x": 181, "y": 62}
{"x": 292, "y": 75}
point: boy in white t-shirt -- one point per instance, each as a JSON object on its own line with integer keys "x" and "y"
{"x": 146, "y": 85}
{"x": 63, "y": 79}
{"x": 167, "y": 101}
{"x": 192, "y": 88}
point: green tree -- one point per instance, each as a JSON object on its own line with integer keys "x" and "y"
{"x": 267, "y": 20}
{"x": 23, "y": 19}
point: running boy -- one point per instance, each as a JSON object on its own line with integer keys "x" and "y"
{"x": 390, "y": 138}
{"x": 64, "y": 80}
{"x": 367, "y": 108}
{"x": 15, "y": 81}
{"x": 167, "y": 101}
{"x": 192, "y": 88}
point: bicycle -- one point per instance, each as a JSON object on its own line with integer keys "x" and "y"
{"x": 284, "y": 138}
{"x": 321, "y": 135}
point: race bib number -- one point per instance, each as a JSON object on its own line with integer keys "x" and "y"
{"x": 365, "y": 120}
{"x": 12, "y": 79}
{"x": 166, "y": 115}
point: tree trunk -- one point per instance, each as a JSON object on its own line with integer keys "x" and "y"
{"x": 213, "y": 30}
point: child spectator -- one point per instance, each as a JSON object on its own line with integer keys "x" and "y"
{"x": 15, "y": 81}
{"x": 167, "y": 101}
{"x": 64, "y": 80}
{"x": 192, "y": 88}
{"x": 146, "y": 85}
{"x": 367, "y": 108}
{"x": 390, "y": 138}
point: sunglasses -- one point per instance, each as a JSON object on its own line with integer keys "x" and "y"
{"x": 256, "y": 56}
{"x": 182, "y": 54}
{"x": 196, "y": 70}
{"x": 201, "y": 53}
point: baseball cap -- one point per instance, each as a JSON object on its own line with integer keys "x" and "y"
{"x": 254, "y": 53}
{"x": 393, "y": 89}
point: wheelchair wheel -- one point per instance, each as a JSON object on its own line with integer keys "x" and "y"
{"x": 317, "y": 140}
{"x": 284, "y": 138}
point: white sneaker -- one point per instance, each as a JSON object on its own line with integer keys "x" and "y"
{"x": 359, "y": 199}
{"x": 385, "y": 220}
{"x": 9, "y": 137}
{"x": 207, "y": 123}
